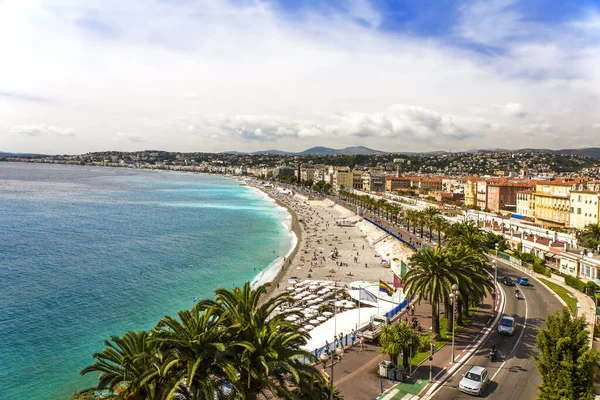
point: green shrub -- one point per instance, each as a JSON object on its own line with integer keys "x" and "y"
{"x": 540, "y": 269}
{"x": 575, "y": 283}
{"x": 424, "y": 343}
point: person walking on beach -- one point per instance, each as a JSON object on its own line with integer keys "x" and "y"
{"x": 353, "y": 335}
{"x": 326, "y": 348}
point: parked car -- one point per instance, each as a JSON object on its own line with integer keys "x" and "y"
{"x": 506, "y": 325}
{"x": 508, "y": 281}
{"x": 523, "y": 281}
{"x": 474, "y": 381}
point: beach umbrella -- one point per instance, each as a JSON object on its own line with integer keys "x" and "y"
{"x": 297, "y": 297}
{"x": 319, "y": 300}
{"x": 349, "y": 304}
{"x": 322, "y": 291}
{"x": 305, "y": 293}
{"x": 291, "y": 318}
{"x": 310, "y": 302}
{"x": 340, "y": 303}
{"x": 313, "y": 287}
{"x": 322, "y": 319}
{"x": 314, "y": 307}
{"x": 309, "y": 327}
{"x": 327, "y": 313}
{"x": 312, "y": 296}
{"x": 290, "y": 288}
{"x": 315, "y": 321}
{"x": 296, "y": 309}
{"x": 298, "y": 290}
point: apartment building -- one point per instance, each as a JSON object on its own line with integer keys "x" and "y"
{"x": 343, "y": 178}
{"x": 584, "y": 208}
{"x": 357, "y": 182}
{"x": 471, "y": 192}
{"x": 373, "y": 182}
{"x": 428, "y": 184}
{"x": 481, "y": 194}
{"x": 552, "y": 202}
{"x": 502, "y": 195}
{"x": 393, "y": 183}
{"x": 526, "y": 203}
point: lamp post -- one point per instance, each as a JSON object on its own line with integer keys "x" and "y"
{"x": 496, "y": 246}
{"x": 495, "y": 277}
{"x": 453, "y": 298}
{"x": 327, "y": 357}
{"x": 410, "y": 343}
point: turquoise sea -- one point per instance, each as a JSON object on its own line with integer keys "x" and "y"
{"x": 88, "y": 252}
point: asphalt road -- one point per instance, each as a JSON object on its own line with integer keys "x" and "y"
{"x": 513, "y": 374}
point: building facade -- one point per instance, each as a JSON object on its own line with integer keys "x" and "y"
{"x": 584, "y": 208}
{"x": 526, "y": 203}
{"x": 553, "y": 202}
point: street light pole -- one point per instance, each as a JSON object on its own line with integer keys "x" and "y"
{"x": 495, "y": 279}
{"x": 453, "y": 297}
{"x": 324, "y": 358}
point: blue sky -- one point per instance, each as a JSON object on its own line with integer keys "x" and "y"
{"x": 215, "y": 75}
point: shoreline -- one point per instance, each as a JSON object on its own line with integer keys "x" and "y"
{"x": 296, "y": 229}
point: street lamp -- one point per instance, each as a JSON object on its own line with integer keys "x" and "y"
{"x": 453, "y": 298}
{"x": 495, "y": 277}
{"x": 496, "y": 246}
{"x": 327, "y": 357}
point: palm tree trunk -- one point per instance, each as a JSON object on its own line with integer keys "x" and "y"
{"x": 435, "y": 321}
{"x": 459, "y": 314}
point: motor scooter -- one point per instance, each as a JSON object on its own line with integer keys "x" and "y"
{"x": 493, "y": 353}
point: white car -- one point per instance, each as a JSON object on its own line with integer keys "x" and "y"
{"x": 474, "y": 381}
{"x": 506, "y": 326}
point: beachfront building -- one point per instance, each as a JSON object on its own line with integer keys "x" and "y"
{"x": 584, "y": 208}
{"x": 471, "y": 192}
{"x": 284, "y": 170}
{"x": 502, "y": 195}
{"x": 373, "y": 182}
{"x": 526, "y": 203}
{"x": 343, "y": 178}
{"x": 481, "y": 194}
{"x": 393, "y": 183}
{"x": 426, "y": 185}
{"x": 357, "y": 182}
{"x": 553, "y": 202}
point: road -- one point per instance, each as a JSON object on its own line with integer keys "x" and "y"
{"x": 514, "y": 373}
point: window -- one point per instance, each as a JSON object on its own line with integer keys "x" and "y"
{"x": 579, "y": 211}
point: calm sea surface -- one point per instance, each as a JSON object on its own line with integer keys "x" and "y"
{"x": 90, "y": 252}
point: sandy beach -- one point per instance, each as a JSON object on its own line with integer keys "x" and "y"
{"x": 328, "y": 251}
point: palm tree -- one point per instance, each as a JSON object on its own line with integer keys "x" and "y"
{"x": 134, "y": 367}
{"x": 432, "y": 277}
{"x": 412, "y": 217}
{"x": 270, "y": 356}
{"x": 439, "y": 224}
{"x": 467, "y": 234}
{"x": 202, "y": 348}
{"x": 429, "y": 214}
{"x": 590, "y": 237}
{"x": 396, "y": 339}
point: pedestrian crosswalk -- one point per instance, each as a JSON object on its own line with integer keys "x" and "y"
{"x": 393, "y": 395}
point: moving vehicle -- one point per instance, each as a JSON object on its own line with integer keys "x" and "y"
{"x": 506, "y": 325}
{"x": 507, "y": 281}
{"x": 523, "y": 281}
{"x": 493, "y": 353}
{"x": 474, "y": 381}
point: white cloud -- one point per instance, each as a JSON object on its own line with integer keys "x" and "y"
{"x": 233, "y": 75}
{"x": 514, "y": 109}
{"x": 132, "y": 137}
{"x": 42, "y": 129}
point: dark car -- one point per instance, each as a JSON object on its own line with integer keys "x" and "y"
{"x": 508, "y": 281}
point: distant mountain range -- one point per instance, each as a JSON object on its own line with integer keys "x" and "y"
{"x": 591, "y": 152}
{"x": 318, "y": 151}
{"x": 3, "y": 154}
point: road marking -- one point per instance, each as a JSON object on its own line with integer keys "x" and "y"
{"x": 391, "y": 394}
{"x": 456, "y": 359}
{"x": 468, "y": 347}
{"x": 516, "y": 344}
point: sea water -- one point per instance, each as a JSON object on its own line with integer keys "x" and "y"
{"x": 89, "y": 252}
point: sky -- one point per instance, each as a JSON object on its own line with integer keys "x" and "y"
{"x": 247, "y": 75}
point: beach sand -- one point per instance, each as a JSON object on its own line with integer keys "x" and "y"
{"x": 314, "y": 223}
